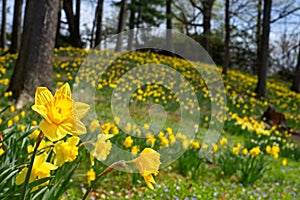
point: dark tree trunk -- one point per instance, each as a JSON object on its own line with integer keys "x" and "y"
{"x": 73, "y": 22}
{"x": 296, "y": 81}
{"x": 131, "y": 24}
{"x": 169, "y": 24}
{"x": 261, "y": 88}
{"x": 3, "y": 25}
{"x": 16, "y": 29}
{"x": 227, "y": 38}
{"x": 121, "y": 24}
{"x": 207, "y": 13}
{"x": 258, "y": 36}
{"x": 57, "y": 37}
{"x": 137, "y": 23}
{"x": 33, "y": 67}
{"x": 99, "y": 13}
{"x": 77, "y": 16}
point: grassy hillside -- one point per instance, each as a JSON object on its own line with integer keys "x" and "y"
{"x": 249, "y": 161}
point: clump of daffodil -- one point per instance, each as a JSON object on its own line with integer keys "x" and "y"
{"x": 40, "y": 169}
{"x": 274, "y": 150}
{"x": 215, "y": 148}
{"x": 245, "y": 151}
{"x": 102, "y": 147}
{"x": 255, "y": 151}
{"x": 60, "y": 112}
{"x": 91, "y": 175}
{"x": 147, "y": 164}
{"x": 204, "y": 146}
{"x": 284, "y": 162}
{"x": 223, "y": 141}
{"x": 66, "y": 151}
{"x": 134, "y": 150}
{"x": 236, "y": 149}
{"x": 128, "y": 141}
{"x": 94, "y": 125}
{"x": 110, "y": 128}
{"x": 150, "y": 140}
{"x": 195, "y": 145}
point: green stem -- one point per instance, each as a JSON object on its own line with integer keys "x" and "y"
{"x": 26, "y": 182}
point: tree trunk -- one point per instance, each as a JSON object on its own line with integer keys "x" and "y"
{"x": 99, "y": 13}
{"x": 16, "y": 29}
{"x": 261, "y": 88}
{"x": 137, "y": 23}
{"x": 258, "y": 36}
{"x": 73, "y": 22}
{"x": 92, "y": 40}
{"x": 57, "y": 37}
{"x": 3, "y": 25}
{"x": 207, "y": 12}
{"x": 169, "y": 24}
{"x": 77, "y": 16}
{"x": 296, "y": 81}
{"x": 33, "y": 67}
{"x": 131, "y": 24}
{"x": 121, "y": 24}
{"x": 227, "y": 38}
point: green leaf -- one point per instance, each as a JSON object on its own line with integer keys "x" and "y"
{"x": 61, "y": 186}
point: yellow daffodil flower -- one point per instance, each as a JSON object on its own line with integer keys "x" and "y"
{"x": 223, "y": 141}
{"x": 150, "y": 140}
{"x": 61, "y": 114}
{"x": 235, "y": 150}
{"x": 215, "y": 148}
{"x": 128, "y": 141}
{"x": 195, "y": 145}
{"x": 284, "y": 162}
{"x": 148, "y": 164}
{"x": 102, "y": 147}
{"x": 255, "y": 151}
{"x": 135, "y": 149}
{"x": 245, "y": 151}
{"x": 91, "y": 176}
{"x": 40, "y": 169}
{"x": 94, "y": 125}
{"x": 66, "y": 151}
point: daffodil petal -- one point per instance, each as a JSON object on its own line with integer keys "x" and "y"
{"x": 73, "y": 140}
{"x": 42, "y": 96}
{"x": 64, "y": 90}
{"x": 80, "y": 127}
{"x": 42, "y": 110}
{"x": 149, "y": 180}
{"x": 59, "y": 158}
{"x": 21, "y": 176}
{"x": 40, "y": 158}
{"x": 81, "y": 109}
{"x": 52, "y": 131}
{"x": 73, "y": 127}
{"x": 49, "y": 166}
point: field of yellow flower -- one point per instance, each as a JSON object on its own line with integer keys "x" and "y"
{"x": 67, "y": 146}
